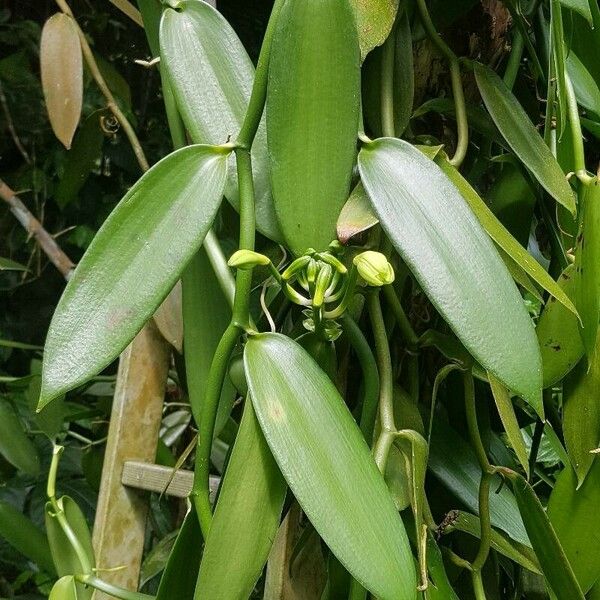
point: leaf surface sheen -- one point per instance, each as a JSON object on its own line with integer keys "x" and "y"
{"x": 327, "y": 464}
{"x": 454, "y": 261}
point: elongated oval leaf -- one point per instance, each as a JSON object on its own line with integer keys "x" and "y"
{"x": 327, "y": 464}
{"x": 580, "y": 6}
{"x": 23, "y": 535}
{"x": 573, "y": 512}
{"x": 64, "y": 589}
{"x": 581, "y": 414}
{"x": 374, "y": 21}
{"x": 553, "y": 561}
{"x": 585, "y": 87}
{"x": 498, "y": 232}
{"x": 356, "y": 215}
{"x": 169, "y": 319}
{"x": 312, "y": 118}
{"x": 211, "y": 75}
{"x": 130, "y": 266}
{"x": 522, "y": 136}
{"x": 15, "y": 446}
{"x": 587, "y": 266}
{"x": 246, "y": 518}
{"x": 454, "y": 261}
{"x": 61, "y": 67}
{"x": 558, "y": 334}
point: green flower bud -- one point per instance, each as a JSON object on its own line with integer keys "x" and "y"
{"x": 374, "y": 268}
{"x": 247, "y": 259}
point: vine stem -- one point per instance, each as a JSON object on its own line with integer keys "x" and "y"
{"x": 576, "y": 134}
{"x": 110, "y": 589}
{"x": 457, "y": 88}
{"x": 101, "y": 83}
{"x": 240, "y": 321}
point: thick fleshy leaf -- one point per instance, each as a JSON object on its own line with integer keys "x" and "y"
{"x": 575, "y": 517}
{"x": 551, "y": 556}
{"x": 558, "y": 334}
{"x": 246, "y": 518}
{"x": 61, "y": 67}
{"x": 522, "y": 136}
{"x": 312, "y": 118}
{"x": 356, "y": 215}
{"x": 508, "y": 417}
{"x": 328, "y": 466}
{"x": 23, "y": 535}
{"x": 454, "y": 261}
{"x": 584, "y": 85}
{"x": 580, "y": 6}
{"x": 211, "y": 75}
{"x": 130, "y": 266}
{"x": 374, "y": 21}
{"x": 498, "y": 232}
{"x": 454, "y": 463}
{"x": 587, "y": 265}
{"x": 15, "y": 445}
{"x": 441, "y": 588}
{"x": 181, "y": 571}
{"x": 581, "y": 414}
{"x": 206, "y": 314}
{"x": 64, "y": 589}
{"x": 169, "y": 320}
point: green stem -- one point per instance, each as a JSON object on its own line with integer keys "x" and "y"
{"x": 386, "y": 383}
{"x": 112, "y": 590}
{"x": 462, "y": 124}
{"x": 357, "y": 591}
{"x": 576, "y": 134}
{"x": 368, "y": 365}
{"x": 388, "y": 128}
{"x": 406, "y": 330}
{"x": 514, "y": 60}
{"x": 218, "y": 370}
{"x": 478, "y": 588}
{"x": 259, "y": 89}
{"x": 484, "y": 486}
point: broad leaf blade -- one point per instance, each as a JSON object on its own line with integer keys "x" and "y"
{"x": 211, "y": 75}
{"x": 454, "y": 261}
{"x": 580, "y": 6}
{"x": 61, "y": 67}
{"x": 327, "y": 464}
{"x": 503, "y": 237}
{"x": 374, "y": 21}
{"x": 553, "y": 561}
{"x": 312, "y": 118}
{"x": 356, "y": 215}
{"x": 246, "y": 517}
{"x": 522, "y": 136}
{"x": 574, "y": 515}
{"x": 132, "y": 263}
{"x": 15, "y": 445}
{"x": 169, "y": 320}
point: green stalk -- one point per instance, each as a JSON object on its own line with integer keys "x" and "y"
{"x": 386, "y": 383}
{"x": 576, "y": 134}
{"x": 484, "y": 486}
{"x": 110, "y": 589}
{"x": 368, "y": 365}
{"x": 406, "y": 330}
{"x": 388, "y": 128}
{"x": 514, "y": 60}
{"x": 462, "y": 124}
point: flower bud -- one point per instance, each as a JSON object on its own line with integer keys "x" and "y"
{"x": 247, "y": 259}
{"x": 374, "y": 268}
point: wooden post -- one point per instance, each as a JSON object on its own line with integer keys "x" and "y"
{"x": 120, "y": 522}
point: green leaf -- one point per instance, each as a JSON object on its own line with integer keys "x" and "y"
{"x": 587, "y": 265}
{"x": 454, "y": 261}
{"x": 64, "y": 589}
{"x": 553, "y": 561}
{"x": 81, "y": 159}
{"x": 580, "y": 6}
{"x": 374, "y": 21}
{"x": 246, "y": 518}
{"x": 454, "y": 463}
{"x": 64, "y": 555}
{"x": 181, "y": 571}
{"x": 23, "y": 535}
{"x": 581, "y": 414}
{"x": 206, "y": 314}
{"x": 356, "y": 215}
{"x": 584, "y": 85}
{"x": 10, "y": 265}
{"x": 15, "y": 446}
{"x": 131, "y": 265}
{"x": 211, "y": 75}
{"x": 522, "y": 136}
{"x": 509, "y": 421}
{"x": 558, "y": 334}
{"x": 441, "y": 588}
{"x": 519, "y": 553}
{"x": 328, "y": 466}
{"x": 573, "y": 513}
{"x": 502, "y": 236}
{"x": 312, "y": 118}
